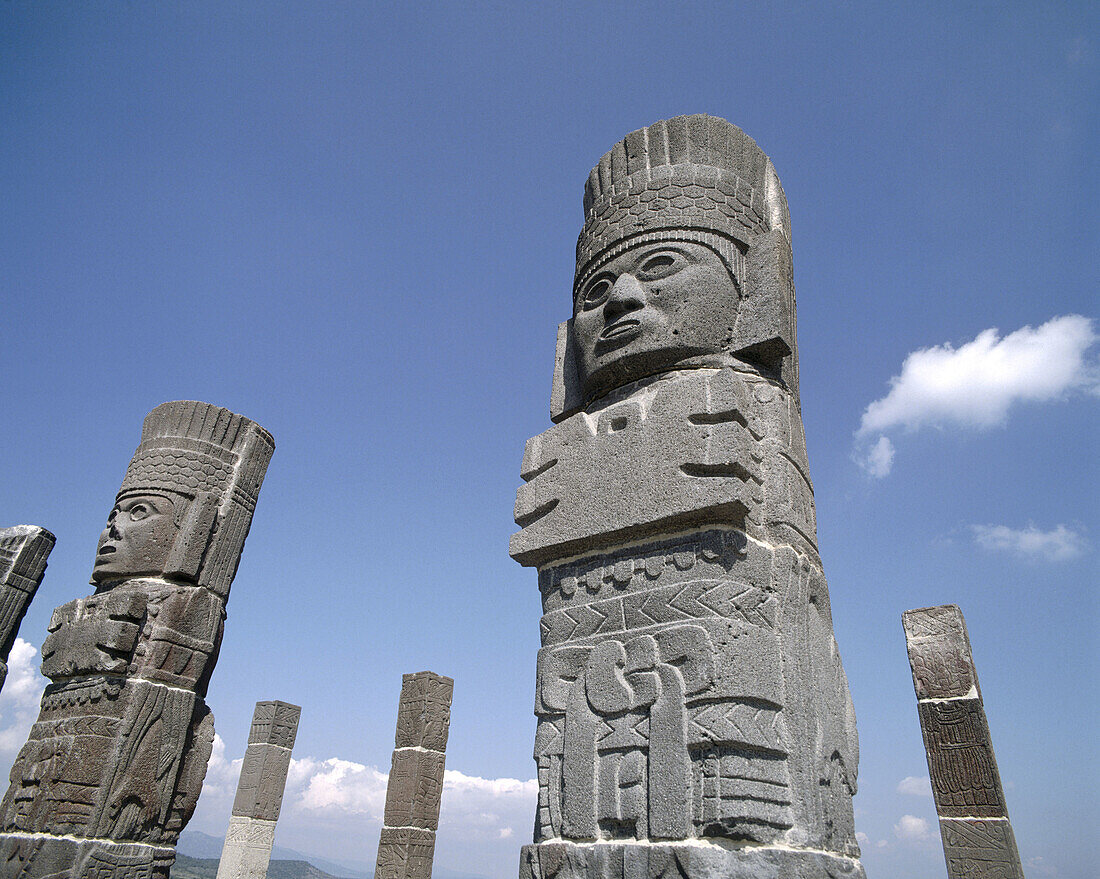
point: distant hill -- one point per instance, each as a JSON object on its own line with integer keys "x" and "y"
{"x": 207, "y": 868}
{"x": 197, "y": 855}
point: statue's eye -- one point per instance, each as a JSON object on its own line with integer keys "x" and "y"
{"x": 596, "y": 292}
{"x": 660, "y": 265}
{"x": 138, "y": 512}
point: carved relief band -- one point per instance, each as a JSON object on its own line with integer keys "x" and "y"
{"x": 23, "y": 553}
{"x": 114, "y": 765}
{"x": 415, "y": 788}
{"x": 977, "y": 837}
{"x": 251, "y": 834}
{"x": 693, "y": 715}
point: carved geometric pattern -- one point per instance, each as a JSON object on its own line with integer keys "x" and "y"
{"x": 980, "y": 849}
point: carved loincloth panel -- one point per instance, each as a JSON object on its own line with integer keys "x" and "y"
{"x": 262, "y": 781}
{"x": 405, "y": 853}
{"x": 980, "y": 849}
{"x": 964, "y": 774}
{"x": 939, "y": 653}
{"x": 414, "y": 789}
{"x": 424, "y": 711}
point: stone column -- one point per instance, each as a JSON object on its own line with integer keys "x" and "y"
{"x": 23, "y": 553}
{"x": 694, "y": 718}
{"x": 114, "y": 765}
{"x": 407, "y": 844}
{"x": 251, "y": 832}
{"x": 977, "y": 836}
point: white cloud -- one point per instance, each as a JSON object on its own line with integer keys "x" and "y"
{"x": 915, "y": 786}
{"x": 1037, "y": 865}
{"x": 20, "y": 697}
{"x": 878, "y": 459}
{"x": 910, "y": 828}
{"x": 976, "y": 384}
{"x": 1056, "y": 545}
{"x": 339, "y": 786}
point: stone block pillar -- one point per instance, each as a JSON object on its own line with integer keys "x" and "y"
{"x": 23, "y": 553}
{"x": 407, "y": 844}
{"x": 977, "y": 836}
{"x": 251, "y": 833}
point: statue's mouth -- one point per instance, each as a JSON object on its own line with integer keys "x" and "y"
{"x": 106, "y": 549}
{"x": 620, "y": 328}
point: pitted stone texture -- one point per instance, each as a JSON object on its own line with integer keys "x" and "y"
{"x": 647, "y": 861}
{"x": 247, "y": 850}
{"x": 977, "y": 838}
{"x": 121, "y": 744}
{"x": 692, "y": 448}
{"x": 44, "y": 857}
{"x": 424, "y": 712}
{"x": 694, "y": 718}
{"x": 415, "y": 784}
{"x": 263, "y": 775}
{"x": 23, "y": 553}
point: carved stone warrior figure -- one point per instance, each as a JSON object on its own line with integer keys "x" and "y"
{"x": 694, "y": 719}
{"x": 114, "y": 765}
{"x": 23, "y": 553}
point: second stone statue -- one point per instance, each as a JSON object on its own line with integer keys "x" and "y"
{"x": 114, "y": 765}
{"x": 694, "y": 719}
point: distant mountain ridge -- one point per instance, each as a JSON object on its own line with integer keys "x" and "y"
{"x": 197, "y": 856}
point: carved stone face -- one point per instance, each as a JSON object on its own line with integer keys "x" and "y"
{"x": 138, "y": 538}
{"x": 650, "y": 309}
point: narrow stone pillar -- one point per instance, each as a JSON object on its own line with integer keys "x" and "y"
{"x": 407, "y": 844}
{"x": 251, "y": 831}
{"x": 114, "y": 765}
{"x": 23, "y": 553}
{"x": 694, "y": 719}
{"x": 977, "y": 836}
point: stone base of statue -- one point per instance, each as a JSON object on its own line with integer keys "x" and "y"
{"x": 39, "y": 856}
{"x": 681, "y": 860}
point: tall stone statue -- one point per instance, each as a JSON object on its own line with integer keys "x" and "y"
{"x": 251, "y": 834}
{"x": 978, "y": 842}
{"x": 694, "y": 719}
{"x": 23, "y": 553}
{"x": 115, "y": 763}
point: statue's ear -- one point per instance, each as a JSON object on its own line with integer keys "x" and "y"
{"x": 766, "y": 319}
{"x": 565, "y": 395}
{"x": 185, "y": 559}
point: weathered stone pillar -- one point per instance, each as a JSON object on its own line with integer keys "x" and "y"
{"x": 251, "y": 833}
{"x": 407, "y": 844}
{"x": 694, "y": 719}
{"x": 23, "y": 553}
{"x": 977, "y": 836}
{"x": 114, "y": 765}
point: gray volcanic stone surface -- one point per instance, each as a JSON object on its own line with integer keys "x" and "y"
{"x": 251, "y": 832}
{"x": 23, "y": 553}
{"x": 407, "y": 843}
{"x": 114, "y": 765}
{"x": 977, "y": 838}
{"x": 690, "y": 696}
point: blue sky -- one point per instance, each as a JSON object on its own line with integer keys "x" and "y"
{"x": 356, "y": 224}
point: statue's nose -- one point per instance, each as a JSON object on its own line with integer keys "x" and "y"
{"x": 627, "y": 294}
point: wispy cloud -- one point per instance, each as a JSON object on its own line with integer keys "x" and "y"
{"x": 910, "y": 828}
{"x": 1058, "y": 544}
{"x": 915, "y": 786}
{"x": 976, "y": 384}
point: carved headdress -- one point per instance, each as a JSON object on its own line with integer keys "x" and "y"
{"x": 215, "y": 459}
{"x": 700, "y": 178}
